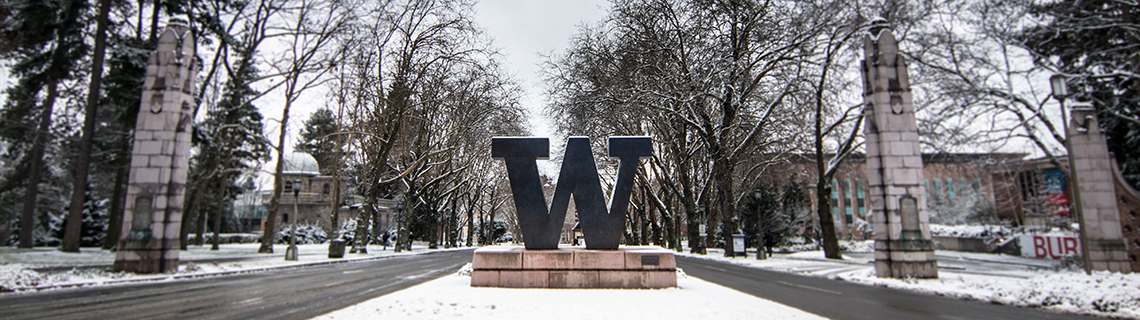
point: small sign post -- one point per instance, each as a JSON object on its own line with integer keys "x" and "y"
{"x": 738, "y": 244}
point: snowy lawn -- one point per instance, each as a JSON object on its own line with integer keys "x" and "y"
{"x": 17, "y": 274}
{"x": 452, "y": 297}
{"x": 1103, "y": 294}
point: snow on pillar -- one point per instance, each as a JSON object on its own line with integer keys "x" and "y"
{"x": 1100, "y": 218}
{"x": 903, "y": 247}
{"x": 149, "y": 239}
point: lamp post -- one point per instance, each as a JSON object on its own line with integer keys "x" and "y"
{"x": 760, "y": 253}
{"x": 1057, "y": 83}
{"x": 291, "y": 252}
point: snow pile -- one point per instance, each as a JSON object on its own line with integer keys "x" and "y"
{"x": 844, "y": 245}
{"x": 452, "y": 297}
{"x": 1102, "y": 294}
{"x": 994, "y": 231}
{"x": 306, "y": 234}
{"x": 14, "y": 277}
{"x": 983, "y": 231}
{"x": 857, "y": 246}
{"x": 228, "y": 238}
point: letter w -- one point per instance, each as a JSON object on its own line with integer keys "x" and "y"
{"x": 579, "y": 177}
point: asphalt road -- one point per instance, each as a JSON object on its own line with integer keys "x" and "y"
{"x": 294, "y": 293}
{"x": 842, "y": 300}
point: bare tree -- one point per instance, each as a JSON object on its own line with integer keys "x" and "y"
{"x": 311, "y": 29}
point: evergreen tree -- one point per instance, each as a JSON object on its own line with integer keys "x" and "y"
{"x": 93, "y": 224}
{"x": 317, "y": 139}
{"x": 120, "y": 105}
{"x": 47, "y": 42}
{"x": 229, "y": 142}
{"x": 766, "y": 223}
{"x": 792, "y": 202}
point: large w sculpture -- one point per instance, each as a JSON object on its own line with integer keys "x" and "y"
{"x": 541, "y": 228}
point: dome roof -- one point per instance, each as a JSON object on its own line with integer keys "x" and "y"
{"x": 300, "y": 162}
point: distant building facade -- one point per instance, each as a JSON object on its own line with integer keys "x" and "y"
{"x": 957, "y": 186}
{"x": 314, "y": 199}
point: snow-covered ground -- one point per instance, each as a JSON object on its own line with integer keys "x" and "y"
{"x": 1028, "y": 283}
{"x": 1103, "y": 294}
{"x": 17, "y": 266}
{"x": 452, "y": 297}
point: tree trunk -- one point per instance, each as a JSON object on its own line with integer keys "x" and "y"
{"x": 156, "y": 10}
{"x": 28, "y": 217}
{"x": 217, "y": 220}
{"x": 471, "y": 219}
{"x": 190, "y": 209}
{"x": 338, "y": 157}
{"x": 119, "y": 196}
{"x": 201, "y": 223}
{"x": 722, "y": 175}
{"x": 73, "y": 231}
{"x": 827, "y": 223}
{"x": 278, "y": 183}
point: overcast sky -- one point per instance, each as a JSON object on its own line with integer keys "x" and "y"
{"x": 524, "y": 29}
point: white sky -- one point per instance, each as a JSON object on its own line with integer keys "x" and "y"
{"x": 524, "y": 29}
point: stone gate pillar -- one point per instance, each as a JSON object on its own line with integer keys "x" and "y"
{"x": 903, "y": 247}
{"x": 148, "y": 242}
{"x": 1100, "y": 216}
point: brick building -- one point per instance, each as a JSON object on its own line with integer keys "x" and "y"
{"x": 955, "y": 183}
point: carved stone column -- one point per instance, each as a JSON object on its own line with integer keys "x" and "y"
{"x": 1100, "y": 216}
{"x": 149, "y": 238}
{"x": 903, "y": 247}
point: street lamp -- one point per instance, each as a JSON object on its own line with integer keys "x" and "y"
{"x": 1060, "y": 90}
{"x": 760, "y": 254}
{"x": 399, "y": 215}
{"x": 291, "y": 252}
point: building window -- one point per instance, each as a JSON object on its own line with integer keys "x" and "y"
{"x": 937, "y": 193}
{"x": 950, "y": 195}
{"x": 977, "y": 186}
{"x": 326, "y": 189}
{"x": 288, "y": 186}
{"x": 860, "y": 199}
{"x": 848, "y": 211}
{"x": 926, "y": 186}
{"x": 835, "y": 198}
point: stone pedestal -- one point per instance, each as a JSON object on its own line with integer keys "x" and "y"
{"x": 336, "y": 249}
{"x": 903, "y": 245}
{"x": 1100, "y": 216}
{"x": 159, "y": 162}
{"x": 629, "y": 267}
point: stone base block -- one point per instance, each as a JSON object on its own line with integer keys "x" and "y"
{"x": 906, "y": 269}
{"x": 631, "y": 267}
{"x": 570, "y": 279}
{"x": 146, "y": 266}
{"x": 145, "y": 257}
{"x": 1109, "y": 255}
